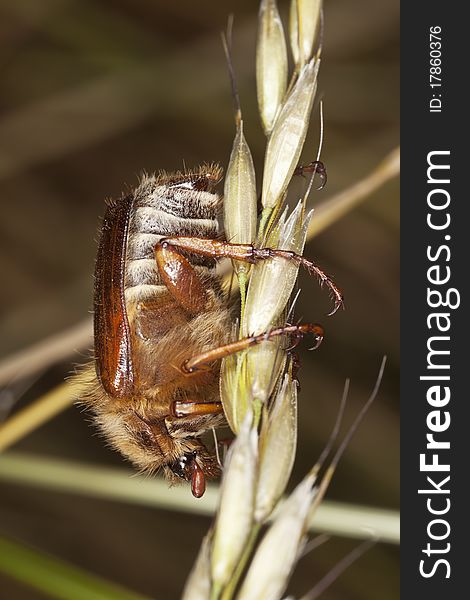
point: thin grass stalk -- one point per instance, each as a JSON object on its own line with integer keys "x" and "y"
{"x": 119, "y": 484}
{"x": 45, "y": 408}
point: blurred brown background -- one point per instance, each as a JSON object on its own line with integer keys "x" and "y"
{"x": 92, "y": 94}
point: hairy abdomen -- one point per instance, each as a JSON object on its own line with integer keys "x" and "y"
{"x": 159, "y": 211}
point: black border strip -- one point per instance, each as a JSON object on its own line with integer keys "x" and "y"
{"x": 423, "y": 132}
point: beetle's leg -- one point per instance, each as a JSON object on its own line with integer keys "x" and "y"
{"x": 181, "y": 279}
{"x": 195, "y": 408}
{"x": 193, "y": 364}
{"x": 316, "y": 167}
{"x": 296, "y": 364}
{"x": 244, "y": 252}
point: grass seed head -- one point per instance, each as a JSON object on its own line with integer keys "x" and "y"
{"x": 278, "y": 551}
{"x": 288, "y": 136}
{"x": 278, "y": 441}
{"x": 271, "y": 63}
{"x": 235, "y": 512}
{"x": 240, "y": 201}
{"x": 304, "y": 19}
{"x": 198, "y": 585}
{"x": 272, "y": 281}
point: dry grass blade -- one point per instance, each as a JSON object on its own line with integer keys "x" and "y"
{"x": 122, "y": 485}
{"x": 46, "y": 352}
{"x": 37, "y": 413}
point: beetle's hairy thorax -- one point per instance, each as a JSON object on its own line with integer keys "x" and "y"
{"x": 134, "y": 428}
